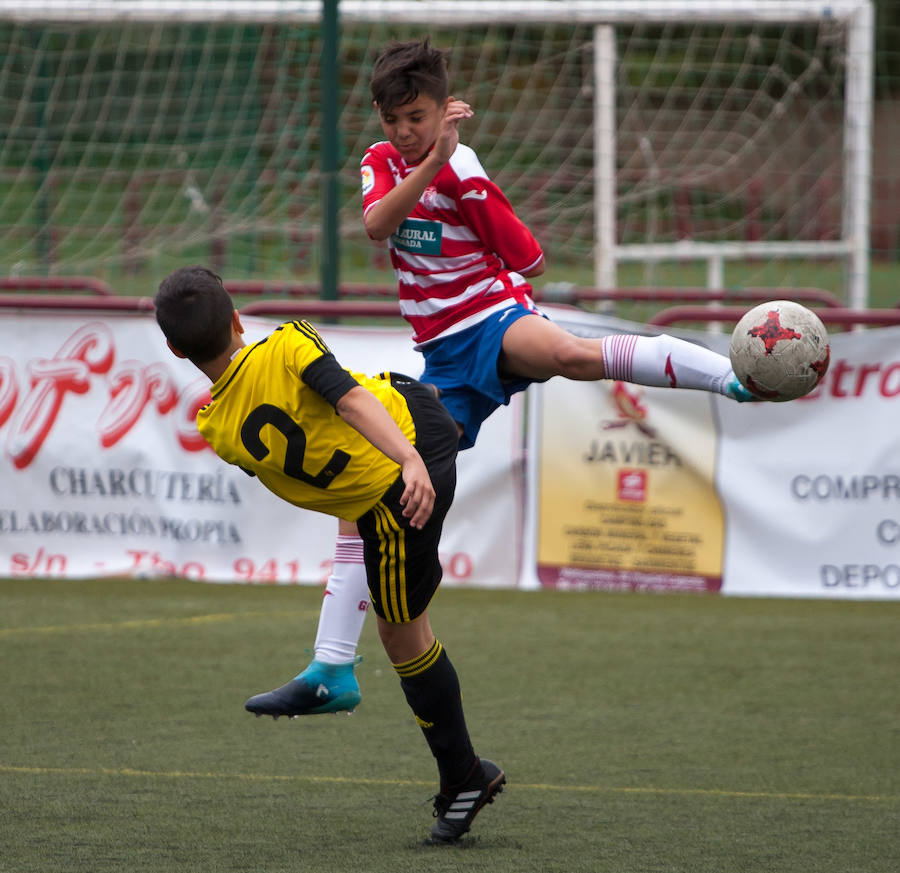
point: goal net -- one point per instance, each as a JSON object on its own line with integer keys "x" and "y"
{"x": 139, "y": 135}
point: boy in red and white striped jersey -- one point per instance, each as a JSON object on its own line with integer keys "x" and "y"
{"x": 463, "y": 259}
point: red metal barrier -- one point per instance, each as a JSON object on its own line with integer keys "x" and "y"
{"x": 56, "y": 283}
{"x": 281, "y": 308}
{"x": 830, "y": 317}
{"x": 324, "y": 308}
{"x": 72, "y": 302}
{"x": 560, "y": 293}
{"x": 259, "y": 288}
{"x": 693, "y": 294}
{"x": 305, "y": 303}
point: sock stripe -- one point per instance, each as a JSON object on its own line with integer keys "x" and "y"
{"x": 420, "y": 664}
{"x": 618, "y": 356}
{"x": 348, "y": 550}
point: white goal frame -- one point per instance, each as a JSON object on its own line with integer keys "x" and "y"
{"x": 604, "y": 15}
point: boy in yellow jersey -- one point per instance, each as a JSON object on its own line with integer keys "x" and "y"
{"x": 380, "y": 452}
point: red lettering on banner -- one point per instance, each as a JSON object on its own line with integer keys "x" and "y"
{"x": 854, "y": 380}
{"x": 133, "y": 386}
{"x": 38, "y": 564}
{"x": 270, "y": 571}
{"x": 89, "y": 350}
{"x": 192, "y": 399}
{"x": 458, "y": 565}
{"x": 9, "y": 389}
{"x": 153, "y": 564}
{"x": 890, "y": 380}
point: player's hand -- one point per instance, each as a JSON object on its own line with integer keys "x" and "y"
{"x": 448, "y": 136}
{"x": 417, "y": 499}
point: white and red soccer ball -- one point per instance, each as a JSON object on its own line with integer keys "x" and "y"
{"x": 779, "y": 350}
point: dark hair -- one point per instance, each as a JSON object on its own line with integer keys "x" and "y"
{"x": 404, "y": 70}
{"x": 194, "y": 311}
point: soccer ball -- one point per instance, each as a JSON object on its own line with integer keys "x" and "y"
{"x": 779, "y": 350}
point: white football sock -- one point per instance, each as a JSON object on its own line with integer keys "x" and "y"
{"x": 665, "y": 362}
{"x": 344, "y": 604}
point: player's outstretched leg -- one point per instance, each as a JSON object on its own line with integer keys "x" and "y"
{"x": 328, "y": 683}
{"x": 536, "y": 348}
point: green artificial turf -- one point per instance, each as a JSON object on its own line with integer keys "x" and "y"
{"x": 639, "y": 733}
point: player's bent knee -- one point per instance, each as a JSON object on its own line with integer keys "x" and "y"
{"x": 403, "y": 641}
{"x": 579, "y": 359}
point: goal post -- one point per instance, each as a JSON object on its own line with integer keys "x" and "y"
{"x": 853, "y": 242}
{"x": 139, "y": 133}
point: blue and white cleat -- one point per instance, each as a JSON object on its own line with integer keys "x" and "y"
{"x": 320, "y": 688}
{"x": 736, "y": 391}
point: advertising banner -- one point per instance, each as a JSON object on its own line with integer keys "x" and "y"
{"x": 653, "y": 489}
{"x": 627, "y": 489}
{"x": 103, "y": 472}
{"x": 812, "y": 487}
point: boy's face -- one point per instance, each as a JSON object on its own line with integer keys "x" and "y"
{"x": 413, "y": 127}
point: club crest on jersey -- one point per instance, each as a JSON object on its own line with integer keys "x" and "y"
{"x": 368, "y": 179}
{"x": 429, "y": 197}
{"x": 418, "y": 237}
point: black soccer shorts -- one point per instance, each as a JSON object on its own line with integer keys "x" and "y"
{"x": 402, "y": 566}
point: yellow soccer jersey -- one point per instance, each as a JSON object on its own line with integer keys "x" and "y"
{"x": 265, "y": 418}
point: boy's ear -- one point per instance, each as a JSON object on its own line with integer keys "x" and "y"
{"x": 175, "y": 351}
{"x": 236, "y": 325}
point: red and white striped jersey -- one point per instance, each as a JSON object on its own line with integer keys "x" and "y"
{"x": 457, "y": 254}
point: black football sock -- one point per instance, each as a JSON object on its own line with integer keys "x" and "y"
{"x": 432, "y": 691}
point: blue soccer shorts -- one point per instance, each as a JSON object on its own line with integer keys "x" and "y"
{"x": 464, "y": 367}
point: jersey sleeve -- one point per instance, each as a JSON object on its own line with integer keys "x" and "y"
{"x": 311, "y": 359}
{"x": 303, "y": 346}
{"x": 327, "y": 377}
{"x": 376, "y": 176}
{"x": 486, "y": 210}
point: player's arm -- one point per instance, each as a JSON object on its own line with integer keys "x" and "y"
{"x": 489, "y": 214}
{"x": 365, "y": 414}
{"x": 389, "y": 212}
{"x": 394, "y": 207}
{"x": 536, "y": 270}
